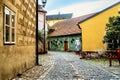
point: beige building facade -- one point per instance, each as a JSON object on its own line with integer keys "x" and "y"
{"x": 41, "y": 25}
{"x": 17, "y": 37}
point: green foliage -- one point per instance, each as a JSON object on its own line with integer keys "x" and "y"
{"x": 40, "y": 36}
{"x": 112, "y": 30}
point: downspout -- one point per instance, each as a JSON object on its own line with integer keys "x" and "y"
{"x": 81, "y": 34}
{"x": 37, "y": 62}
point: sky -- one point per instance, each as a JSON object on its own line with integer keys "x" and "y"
{"x": 77, "y": 7}
{"x": 56, "y": 4}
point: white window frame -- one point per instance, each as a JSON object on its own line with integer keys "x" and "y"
{"x": 10, "y": 26}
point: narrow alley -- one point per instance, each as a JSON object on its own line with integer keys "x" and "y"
{"x": 68, "y": 66}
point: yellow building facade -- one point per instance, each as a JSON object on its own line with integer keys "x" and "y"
{"x": 93, "y": 29}
{"x": 52, "y": 22}
{"x": 52, "y": 19}
{"x": 17, "y": 37}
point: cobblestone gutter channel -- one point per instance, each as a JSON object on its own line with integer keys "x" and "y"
{"x": 76, "y": 76}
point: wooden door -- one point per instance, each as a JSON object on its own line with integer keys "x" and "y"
{"x": 66, "y": 45}
{"x": 48, "y": 45}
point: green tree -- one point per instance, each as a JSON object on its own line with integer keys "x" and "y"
{"x": 112, "y": 36}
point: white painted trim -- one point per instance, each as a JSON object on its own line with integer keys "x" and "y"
{"x": 11, "y": 12}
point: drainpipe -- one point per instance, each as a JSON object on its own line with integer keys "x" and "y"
{"x": 44, "y": 32}
{"x": 37, "y": 62}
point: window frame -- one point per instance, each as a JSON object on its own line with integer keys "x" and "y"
{"x": 114, "y": 46}
{"x": 11, "y": 13}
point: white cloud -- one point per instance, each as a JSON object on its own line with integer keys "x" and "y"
{"x": 84, "y": 8}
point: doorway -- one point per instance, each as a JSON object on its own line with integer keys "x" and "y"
{"x": 48, "y": 45}
{"x": 66, "y": 45}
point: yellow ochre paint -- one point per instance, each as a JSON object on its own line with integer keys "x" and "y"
{"x": 93, "y": 29}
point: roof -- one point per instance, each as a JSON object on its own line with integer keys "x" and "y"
{"x": 68, "y": 27}
{"x": 59, "y": 16}
{"x": 98, "y": 13}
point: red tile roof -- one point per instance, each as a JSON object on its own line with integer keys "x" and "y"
{"x": 69, "y": 26}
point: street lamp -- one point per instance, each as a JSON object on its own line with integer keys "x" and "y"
{"x": 44, "y": 3}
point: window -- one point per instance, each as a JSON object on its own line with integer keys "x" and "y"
{"x": 9, "y": 26}
{"x": 113, "y": 44}
{"x": 110, "y": 44}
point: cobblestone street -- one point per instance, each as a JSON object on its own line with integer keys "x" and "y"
{"x": 67, "y": 66}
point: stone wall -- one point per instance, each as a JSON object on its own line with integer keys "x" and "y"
{"x": 18, "y": 57}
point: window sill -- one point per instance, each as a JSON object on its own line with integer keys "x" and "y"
{"x": 9, "y": 43}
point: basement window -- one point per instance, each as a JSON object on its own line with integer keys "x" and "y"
{"x": 9, "y": 26}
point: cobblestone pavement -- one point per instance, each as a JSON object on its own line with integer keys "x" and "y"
{"x": 68, "y": 66}
{"x": 45, "y": 62}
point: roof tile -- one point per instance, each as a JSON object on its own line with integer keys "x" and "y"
{"x": 69, "y": 26}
